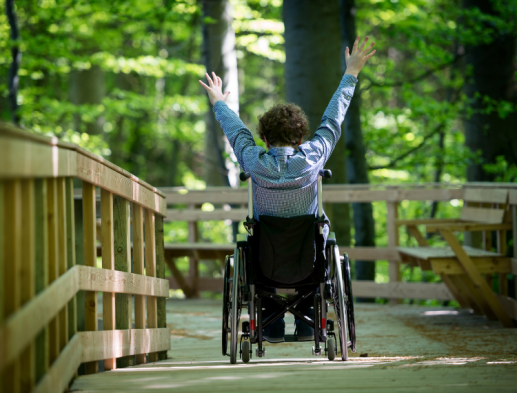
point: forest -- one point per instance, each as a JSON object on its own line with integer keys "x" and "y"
{"x": 437, "y": 103}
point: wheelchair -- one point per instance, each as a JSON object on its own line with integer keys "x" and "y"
{"x": 301, "y": 260}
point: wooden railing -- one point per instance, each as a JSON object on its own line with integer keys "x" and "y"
{"x": 184, "y": 205}
{"x": 49, "y": 277}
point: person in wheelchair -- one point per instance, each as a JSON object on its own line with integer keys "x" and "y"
{"x": 285, "y": 188}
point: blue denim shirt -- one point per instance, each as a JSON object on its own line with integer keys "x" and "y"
{"x": 285, "y": 179}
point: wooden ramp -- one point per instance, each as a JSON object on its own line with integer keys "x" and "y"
{"x": 410, "y": 348}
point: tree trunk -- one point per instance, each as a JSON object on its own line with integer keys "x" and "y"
{"x": 492, "y": 76}
{"x": 220, "y": 57}
{"x": 312, "y": 75}
{"x": 357, "y": 172}
{"x": 88, "y": 87}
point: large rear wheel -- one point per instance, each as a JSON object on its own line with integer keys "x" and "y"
{"x": 236, "y": 306}
{"x": 339, "y": 302}
{"x": 226, "y": 304}
{"x": 349, "y": 301}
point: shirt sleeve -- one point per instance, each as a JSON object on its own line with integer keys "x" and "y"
{"x": 240, "y": 138}
{"x": 329, "y": 131}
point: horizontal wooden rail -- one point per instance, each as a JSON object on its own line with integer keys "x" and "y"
{"x": 94, "y": 346}
{"x": 24, "y": 325}
{"x": 25, "y": 155}
{"x": 366, "y": 289}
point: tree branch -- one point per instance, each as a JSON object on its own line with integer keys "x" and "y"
{"x": 404, "y": 155}
{"x": 414, "y": 79}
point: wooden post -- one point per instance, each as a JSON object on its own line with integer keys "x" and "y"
{"x": 514, "y": 234}
{"x": 501, "y": 248}
{"x": 160, "y": 273}
{"x": 193, "y": 260}
{"x": 108, "y": 262}
{"x": 79, "y": 260}
{"x": 41, "y": 255}
{"x": 62, "y": 234}
{"x": 393, "y": 241}
{"x": 53, "y": 258}
{"x": 90, "y": 259}
{"x": 123, "y": 306}
{"x": 28, "y": 282}
{"x": 70, "y": 251}
{"x": 12, "y": 269}
{"x": 150, "y": 270}
{"x": 138, "y": 263}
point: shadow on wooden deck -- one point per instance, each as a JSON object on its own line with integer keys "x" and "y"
{"x": 410, "y": 348}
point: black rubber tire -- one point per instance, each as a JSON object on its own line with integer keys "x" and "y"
{"x": 349, "y": 302}
{"x": 236, "y": 307}
{"x": 331, "y": 349}
{"x": 226, "y": 305}
{"x": 245, "y": 351}
{"x": 339, "y": 303}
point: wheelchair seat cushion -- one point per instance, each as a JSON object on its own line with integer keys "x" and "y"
{"x": 287, "y": 248}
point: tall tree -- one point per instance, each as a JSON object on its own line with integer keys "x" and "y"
{"x": 491, "y": 132}
{"x": 220, "y": 57}
{"x": 356, "y": 166}
{"x": 312, "y": 74}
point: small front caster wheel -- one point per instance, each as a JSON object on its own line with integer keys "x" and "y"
{"x": 331, "y": 348}
{"x": 245, "y": 351}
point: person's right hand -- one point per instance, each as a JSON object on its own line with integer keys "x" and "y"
{"x": 356, "y": 61}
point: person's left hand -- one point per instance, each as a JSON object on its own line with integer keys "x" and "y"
{"x": 215, "y": 90}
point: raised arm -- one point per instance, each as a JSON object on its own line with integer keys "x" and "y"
{"x": 238, "y": 135}
{"x": 329, "y": 131}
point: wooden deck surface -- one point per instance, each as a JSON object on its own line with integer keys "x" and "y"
{"x": 410, "y": 349}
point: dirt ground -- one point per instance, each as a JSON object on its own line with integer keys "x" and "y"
{"x": 408, "y": 348}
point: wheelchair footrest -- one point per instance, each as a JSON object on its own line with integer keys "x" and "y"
{"x": 290, "y": 338}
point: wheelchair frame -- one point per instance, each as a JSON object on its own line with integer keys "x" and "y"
{"x": 246, "y": 294}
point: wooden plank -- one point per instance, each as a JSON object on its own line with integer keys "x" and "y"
{"x": 138, "y": 263}
{"x": 458, "y": 282}
{"x": 122, "y": 233}
{"x": 426, "y": 221}
{"x": 444, "y": 252}
{"x": 29, "y": 159}
{"x": 62, "y": 242}
{"x": 125, "y": 343}
{"x": 150, "y": 270}
{"x": 478, "y": 214}
{"x": 487, "y": 265}
{"x": 90, "y": 259}
{"x": 97, "y": 173}
{"x": 160, "y": 273}
{"x": 486, "y": 195}
{"x": 477, "y": 297}
{"x": 477, "y": 279}
{"x": 393, "y": 241}
{"x": 455, "y": 291}
{"x": 41, "y": 255}
{"x": 108, "y": 263}
{"x": 53, "y": 262}
{"x": 413, "y": 230}
{"x": 28, "y": 279}
{"x": 503, "y": 276}
{"x": 70, "y": 251}
{"x": 12, "y": 272}
{"x": 199, "y": 215}
{"x": 512, "y": 199}
{"x": 468, "y": 227}
{"x": 63, "y": 370}
{"x": 331, "y": 194}
{"x": 401, "y": 290}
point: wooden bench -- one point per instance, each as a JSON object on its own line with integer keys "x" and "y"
{"x": 462, "y": 268}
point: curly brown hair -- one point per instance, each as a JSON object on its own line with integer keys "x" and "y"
{"x": 283, "y": 125}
